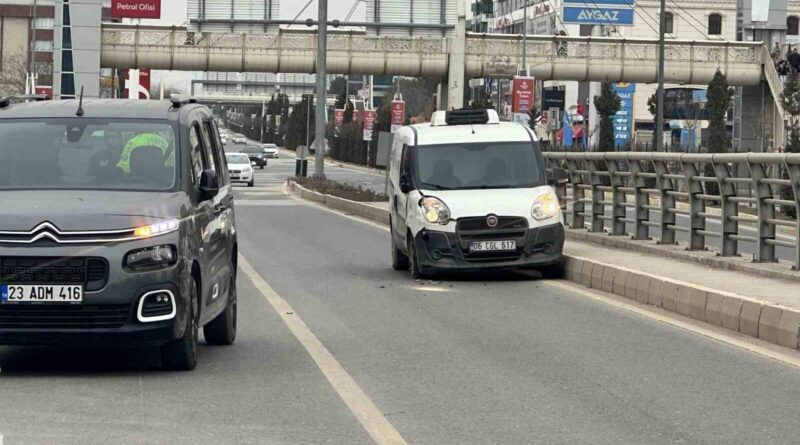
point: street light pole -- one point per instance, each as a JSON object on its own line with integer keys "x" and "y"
{"x": 660, "y": 94}
{"x": 322, "y": 49}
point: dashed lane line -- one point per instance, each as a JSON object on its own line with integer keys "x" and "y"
{"x": 370, "y": 417}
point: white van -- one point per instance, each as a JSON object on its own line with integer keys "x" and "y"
{"x": 468, "y": 192}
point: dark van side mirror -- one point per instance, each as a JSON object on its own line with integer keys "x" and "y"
{"x": 557, "y": 176}
{"x": 209, "y": 185}
{"x": 405, "y": 184}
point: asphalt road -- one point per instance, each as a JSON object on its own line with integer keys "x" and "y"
{"x": 483, "y": 359}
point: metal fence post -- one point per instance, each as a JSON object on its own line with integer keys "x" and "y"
{"x": 794, "y": 176}
{"x": 665, "y": 185}
{"x": 697, "y": 206}
{"x": 618, "y": 201}
{"x": 578, "y": 194}
{"x": 729, "y": 208}
{"x": 765, "y": 251}
{"x": 641, "y": 199}
{"x": 598, "y": 209}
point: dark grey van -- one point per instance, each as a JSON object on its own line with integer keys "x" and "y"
{"x": 116, "y": 226}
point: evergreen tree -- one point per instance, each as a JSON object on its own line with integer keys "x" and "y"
{"x": 607, "y": 105}
{"x": 483, "y": 101}
{"x": 652, "y": 104}
{"x": 532, "y": 116}
{"x": 718, "y": 101}
{"x": 790, "y": 100}
{"x": 297, "y": 129}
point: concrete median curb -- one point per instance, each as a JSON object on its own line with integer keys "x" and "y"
{"x": 770, "y": 322}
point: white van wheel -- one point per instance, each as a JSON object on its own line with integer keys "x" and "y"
{"x": 399, "y": 259}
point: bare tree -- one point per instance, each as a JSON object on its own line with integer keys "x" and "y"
{"x": 13, "y": 75}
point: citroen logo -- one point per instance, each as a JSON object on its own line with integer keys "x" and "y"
{"x": 491, "y": 221}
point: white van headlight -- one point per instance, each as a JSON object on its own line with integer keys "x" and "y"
{"x": 545, "y": 206}
{"x": 435, "y": 211}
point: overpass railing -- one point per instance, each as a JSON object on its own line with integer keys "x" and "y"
{"x": 746, "y": 202}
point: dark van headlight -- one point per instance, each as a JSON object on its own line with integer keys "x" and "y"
{"x": 150, "y": 258}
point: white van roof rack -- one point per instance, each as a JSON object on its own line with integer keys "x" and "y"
{"x": 464, "y": 117}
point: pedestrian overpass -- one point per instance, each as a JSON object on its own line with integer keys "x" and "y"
{"x": 745, "y": 64}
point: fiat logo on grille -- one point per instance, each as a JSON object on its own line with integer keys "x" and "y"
{"x": 491, "y": 221}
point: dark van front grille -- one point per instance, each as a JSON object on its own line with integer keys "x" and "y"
{"x": 29, "y": 316}
{"x": 477, "y": 229}
{"x": 91, "y": 272}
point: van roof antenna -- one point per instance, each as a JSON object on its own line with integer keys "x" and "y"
{"x": 79, "y": 113}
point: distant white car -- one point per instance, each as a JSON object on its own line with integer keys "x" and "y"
{"x": 271, "y": 150}
{"x": 240, "y": 169}
{"x": 224, "y": 138}
{"x": 239, "y": 139}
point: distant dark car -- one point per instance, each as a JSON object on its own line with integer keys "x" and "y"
{"x": 256, "y": 155}
{"x": 117, "y": 226}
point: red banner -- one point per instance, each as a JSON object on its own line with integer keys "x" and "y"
{"x": 398, "y": 114}
{"x": 356, "y": 115}
{"x": 136, "y": 9}
{"x": 338, "y": 121}
{"x": 523, "y": 98}
{"x": 369, "y": 123}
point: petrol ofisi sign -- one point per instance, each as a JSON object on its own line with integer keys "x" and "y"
{"x": 136, "y": 9}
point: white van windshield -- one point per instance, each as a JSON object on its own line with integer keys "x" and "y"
{"x": 477, "y": 166}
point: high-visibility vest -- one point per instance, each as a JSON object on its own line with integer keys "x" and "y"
{"x": 145, "y": 140}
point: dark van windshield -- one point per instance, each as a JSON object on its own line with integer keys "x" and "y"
{"x": 477, "y": 166}
{"x": 87, "y": 154}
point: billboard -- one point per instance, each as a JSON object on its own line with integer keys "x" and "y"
{"x": 398, "y": 114}
{"x": 136, "y": 9}
{"x": 602, "y": 12}
{"x": 554, "y": 99}
{"x": 523, "y": 97}
{"x": 623, "y": 120}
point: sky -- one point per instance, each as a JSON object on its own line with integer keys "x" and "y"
{"x": 174, "y": 12}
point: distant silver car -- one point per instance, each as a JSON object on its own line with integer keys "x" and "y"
{"x": 271, "y": 150}
{"x": 239, "y": 139}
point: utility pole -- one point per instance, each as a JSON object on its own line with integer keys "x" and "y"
{"x": 525, "y": 38}
{"x": 32, "y": 80}
{"x": 660, "y": 94}
{"x": 322, "y": 49}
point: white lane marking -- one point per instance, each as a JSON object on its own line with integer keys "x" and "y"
{"x": 780, "y": 354}
{"x": 360, "y": 405}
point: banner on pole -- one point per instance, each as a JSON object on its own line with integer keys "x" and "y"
{"x": 524, "y": 95}
{"x": 369, "y": 123}
{"x": 398, "y": 114}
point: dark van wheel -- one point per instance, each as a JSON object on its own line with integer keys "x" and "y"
{"x": 417, "y": 271}
{"x": 181, "y": 354}
{"x": 554, "y": 271}
{"x": 262, "y": 166}
{"x": 222, "y": 329}
{"x": 399, "y": 259}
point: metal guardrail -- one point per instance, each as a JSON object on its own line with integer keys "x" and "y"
{"x": 747, "y": 195}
